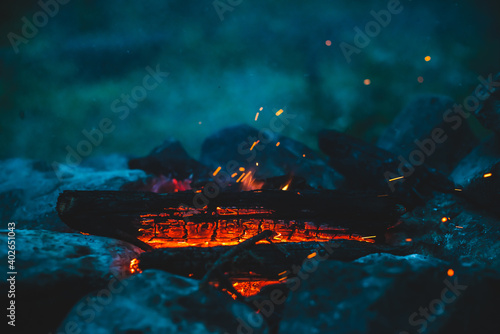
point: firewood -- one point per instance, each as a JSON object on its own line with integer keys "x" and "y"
{"x": 262, "y": 262}
{"x": 117, "y": 213}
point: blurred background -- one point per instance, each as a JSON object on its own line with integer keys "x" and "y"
{"x": 66, "y": 65}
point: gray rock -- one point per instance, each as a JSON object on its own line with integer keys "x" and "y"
{"x": 383, "y": 293}
{"x": 478, "y": 161}
{"x": 30, "y": 189}
{"x": 290, "y": 157}
{"x": 158, "y": 302}
{"x": 413, "y": 129}
{"x": 54, "y": 270}
{"x": 488, "y": 112}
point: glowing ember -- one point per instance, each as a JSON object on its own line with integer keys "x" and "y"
{"x": 163, "y": 184}
{"x": 487, "y": 175}
{"x": 254, "y": 143}
{"x": 250, "y": 288}
{"x": 451, "y": 272}
{"x": 444, "y": 219}
{"x": 279, "y": 112}
{"x": 159, "y": 232}
{"x": 134, "y": 266}
{"x": 241, "y": 176}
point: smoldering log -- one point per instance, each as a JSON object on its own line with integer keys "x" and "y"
{"x": 116, "y": 213}
{"x": 76, "y": 207}
{"x": 262, "y": 262}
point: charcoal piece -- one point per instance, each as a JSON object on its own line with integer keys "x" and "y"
{"x": 369, "y": 167}
{"x": 289, "y": 158}
{"x": 424, "y": 119}
{"x": 169, "y": 159}
{"x": 488, "y": 112}
{"x": 484, "y": 189}
{"x": 479, "y": 160}
{"x": 263, "y": 262}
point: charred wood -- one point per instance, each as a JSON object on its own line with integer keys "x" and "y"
{"x": 108, "y": 213}
{"x": 261, "y": 262}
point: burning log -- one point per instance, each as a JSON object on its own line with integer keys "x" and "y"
{"x": 118, "y": 213}
{"x": 262, "y": 262}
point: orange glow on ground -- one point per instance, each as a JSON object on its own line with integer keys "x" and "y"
{"x": 451, "y": 272}
{"x": 328, "y": 42}
{"x": 427, "y": 58}
{"x": 420, "y": 79}
{"x": 367, "y": 82}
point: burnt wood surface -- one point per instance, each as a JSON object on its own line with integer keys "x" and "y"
{"x": 262, "y": 261}
{"x": 117, "y": 213}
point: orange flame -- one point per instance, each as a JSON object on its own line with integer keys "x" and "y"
{"x": 250, "y": 183}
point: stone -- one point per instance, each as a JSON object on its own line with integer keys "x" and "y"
{"x": 170, "y": 160}
{"x": 383, "y": 293}
{"x": 54, "y": 270}
{"x": 478, "y": 161}
{"x": 158, "y": 302}
{"x": 234, "y": 144}
{"x": 30, "y": 189}
{"x": 488, "y": 112}
{"x": 429, "y": 124}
